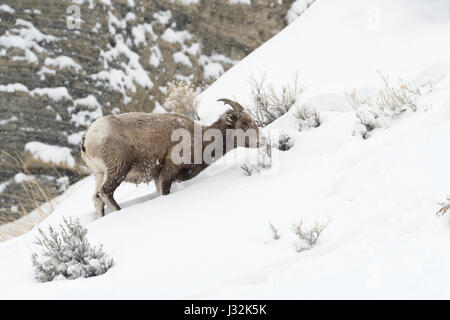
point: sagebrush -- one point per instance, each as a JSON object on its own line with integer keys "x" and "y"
{"x": 284, "y": 142}
{"x": 308, "y": 235}
{"x": 268, "y": 104}
{"x": 390, "y": 101}
{"x": 444, "y": 208}
{"x": 182, "y": 98}
{"x": 263, "y": 160}
{"x": 307, "y": 118}
{"x": 67, "y": 254}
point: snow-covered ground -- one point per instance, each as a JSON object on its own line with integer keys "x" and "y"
{"x": 210, "y": 238}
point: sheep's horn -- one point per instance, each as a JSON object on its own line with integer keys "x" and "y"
{"x": 236, "y": 106}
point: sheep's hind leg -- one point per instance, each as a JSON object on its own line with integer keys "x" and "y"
{"x": 109, "y": 185}
{"x": 158, "y": 186}
{"x": 98, "y": 202}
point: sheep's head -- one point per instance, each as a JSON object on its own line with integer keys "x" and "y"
{"x": 238, "y": 119}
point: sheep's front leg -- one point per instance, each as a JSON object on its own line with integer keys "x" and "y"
{"x": 164, "y": 182}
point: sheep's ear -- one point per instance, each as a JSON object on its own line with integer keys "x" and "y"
{"x": 230, "y": 117}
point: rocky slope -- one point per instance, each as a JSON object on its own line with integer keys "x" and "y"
{"x": 119, "y": 57}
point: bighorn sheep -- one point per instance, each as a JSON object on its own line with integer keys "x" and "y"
{"x": 138, "y": 147}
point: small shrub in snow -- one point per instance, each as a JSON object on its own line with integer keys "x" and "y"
{"x": 264, "y": 160}
{"x": 275, "y": 234}
{"x": 390, "y": 101}
{"x": 395, "y": 100}
{"x": 248, "y": 169}
{"x": 66, "y": 254}
{"x": 307, "y": 118}
{"x": 308, "y": 235}
{"x": 265, "y": 155}
{"x": 284, "y": 142}
{"x": 444, "y": 209}
{"x": 268, "y": 104}
{"x": 365, "y": 111}
{"x": 182, "y": 99}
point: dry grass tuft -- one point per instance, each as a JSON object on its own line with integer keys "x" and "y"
{"x": 36, "y": 194}
{"x": 182, "y": 99}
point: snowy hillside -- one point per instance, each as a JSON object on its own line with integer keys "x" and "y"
{"x": 59, "y": 75}
{"x": 210, "y": 238}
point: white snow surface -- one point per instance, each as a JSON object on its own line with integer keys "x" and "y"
{"x": 6, "y": 8}
{"x": 50, "y": 153}
{"x": 210, "y": 237}
{"x": 62, "y": 62}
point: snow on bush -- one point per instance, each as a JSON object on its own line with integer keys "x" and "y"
{"x": 263, "y": 160}
{"x": 308, "y": 235}
{"x": 268, "y": 104}
{"x": 389, "y": 102}
{"x": 67, "y": 254}
{"x": 307, "y": 118}
{"x": 182, "y": 99}
{"x": 368, "y": 114}
{"x": 283, "y": 142}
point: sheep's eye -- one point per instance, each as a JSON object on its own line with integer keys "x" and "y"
{"x": 244, "y": 124}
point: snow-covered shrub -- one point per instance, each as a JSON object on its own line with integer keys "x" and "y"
{"x": 367, "y": 113}
{"x": 67, "y": 254}
{"x": 445, "y": 208}
{"x": 268, "y": 104}
{"x": 393, "y": 101}
{"x": 390, "y": 102}
{"x": 307, "y": 118}
{"x": 265, "y": 155}
{"x": 308, "y": 235}
{"x": 182, "y": 99}
{"x": 275, "y": 233}
{"x": 263, "y": 161}
{"x": 284, "y": 142}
